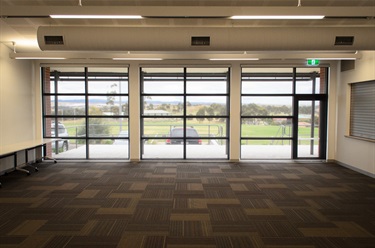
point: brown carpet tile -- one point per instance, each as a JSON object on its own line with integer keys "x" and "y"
{"x": 176, "y": 205}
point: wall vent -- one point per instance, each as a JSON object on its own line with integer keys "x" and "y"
{"x": 54, "y": 40}
{"x": 344, "y": 40}
{"x": 200, "y": 41}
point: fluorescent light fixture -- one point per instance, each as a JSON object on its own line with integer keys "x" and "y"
{"x": 137, "y": 59}
{"x": 333, "y": 58}
{"x": 96, "y": 16}
{"x": 234, "y": 59}
{"x": 26, "y": 42}
{"x": 38, "y": 58}
{"x": 278, "y": 17}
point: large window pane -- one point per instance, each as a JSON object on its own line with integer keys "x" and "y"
{"x": 206, "y": 105}
{"x": 108, "y": 149}
{"x": 269, "y": 86}
{"x": 76, "y": 149}
{"x": 67, "y": 80}
{"x": 71, "y": 105}
{"x": 107, "y": 127}
{"x": 107, "y": 80}
{"x": 208, "y": 127}
{"x": 161, "y": 150}
{"x": 108, "y": 87}
{"x": 67, "y": 127}
{"x": 76, "y": 127}
{"x": 108, "y": 105}
{"x": 266, "y": 149}
{"x": 266, "y": 127}
{"x": 160, "y": 87}
{"x": 267, "y": 106}
{"x": 267, "y": 81}
{"x": 160, "y": 127}
{"x": 71, "y": 85}
{"x": 208, "y": 149}
{"x": 207, "y": 81}
{"x": 163, "y": 105}
{"x": 311, "y": 81}
{"x": 163, "y": 80}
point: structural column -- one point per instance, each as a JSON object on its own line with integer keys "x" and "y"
{"x": 134, "y": 112}
{"x": 235, "y": 113}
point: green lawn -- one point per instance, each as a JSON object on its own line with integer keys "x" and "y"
{"x": 159, "y": 128}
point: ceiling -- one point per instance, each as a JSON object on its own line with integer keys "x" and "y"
{"x": 20, "y": 19}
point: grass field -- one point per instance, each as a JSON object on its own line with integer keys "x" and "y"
{"x": 158, "y": 128}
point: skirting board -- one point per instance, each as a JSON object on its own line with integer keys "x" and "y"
{"x": 352, "y": 168}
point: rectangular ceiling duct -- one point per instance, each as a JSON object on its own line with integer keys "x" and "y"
{"x": 211, "y": 39}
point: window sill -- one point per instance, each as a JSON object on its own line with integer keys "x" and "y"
{"x": 359, "y": 138}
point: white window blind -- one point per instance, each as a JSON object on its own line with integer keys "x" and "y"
{"x": 362, "y": 110}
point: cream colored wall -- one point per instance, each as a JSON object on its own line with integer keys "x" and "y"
{"x": 134, "y": 112}
{"x": 355, "y": 153}
{"x": 332, "y": 110}
{"x": 17, "y": 105}
{"x": 17, "y": 99}
{"x": 20, "y": 114}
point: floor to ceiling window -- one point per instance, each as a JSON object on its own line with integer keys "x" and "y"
{"x": 283, "y": 113}
{"x": 184, "y": 113}
{"x": 87, "y": 107}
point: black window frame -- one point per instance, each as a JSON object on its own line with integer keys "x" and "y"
{"x": 86, "y": 75}
{"x": 295, "y": 77}
{"x": 184, "y": 76}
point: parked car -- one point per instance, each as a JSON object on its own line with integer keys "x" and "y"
{"x": 122, "y": 134}
{"x": 179, "y": 133}
{"x": 63, "y": 145}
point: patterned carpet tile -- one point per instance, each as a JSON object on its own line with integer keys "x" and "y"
{"x": 175, "y": 205}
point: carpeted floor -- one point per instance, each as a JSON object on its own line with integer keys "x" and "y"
{"x": 152, "y": 204}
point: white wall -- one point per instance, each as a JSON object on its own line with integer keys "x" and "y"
{"x": 354, "y": 153}
{"x": 17, "y": 97}
{"x": 20, "y": 116}
{"x": 17, "y": 103}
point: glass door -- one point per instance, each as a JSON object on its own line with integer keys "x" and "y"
{"x": 310, "y": 131}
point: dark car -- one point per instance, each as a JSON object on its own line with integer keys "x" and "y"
{"x": 63, "y": 145}
{"x": 178, "y": 132}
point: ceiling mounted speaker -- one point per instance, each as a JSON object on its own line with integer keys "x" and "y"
{"x": 200, "y": 41}
{"x": 54, "y": 40}
{"x": 344, "y": 40}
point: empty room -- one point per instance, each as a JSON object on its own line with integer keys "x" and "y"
{"x": 197, "y": 124}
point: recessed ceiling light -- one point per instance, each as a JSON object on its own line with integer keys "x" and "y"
{"x": 96, "y": 16}
{"x": 277, "y": 17}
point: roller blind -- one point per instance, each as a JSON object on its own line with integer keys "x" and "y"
{"x": 362, "y": 110}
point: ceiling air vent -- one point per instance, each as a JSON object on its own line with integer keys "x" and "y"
{"x": 54, "y": 40}
{"x": 344, "y": 40}
{"x": 200, "y": 40}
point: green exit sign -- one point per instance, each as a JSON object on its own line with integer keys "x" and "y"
{"x": 313, "y": 62}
